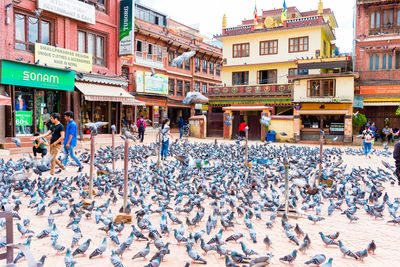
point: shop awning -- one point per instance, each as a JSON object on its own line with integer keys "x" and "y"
{"x": 101, "y": 92}
{"x": 322, "y": 111}
{"x": 247, "y": 108}
{"x": 5, "y": 100}
{"x": 381, "y": 103}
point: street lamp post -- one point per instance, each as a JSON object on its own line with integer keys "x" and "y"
{"x": 113, "y": 150}
{"x": 286, "y": 164}
{"x": 321, "y": 143}
{"x": 92, "y": 151}
{"x": 159, "y": 149}
{"x": 246, "y": 130}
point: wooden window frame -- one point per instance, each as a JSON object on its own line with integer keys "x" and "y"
{"x": 197, "y": 64}
{"x": 274, "y": 76}
{"x": 321, "y": 89}
{"x": 197, "y": 86}
{"x": 238, "y": 80}
{"x": 242, "y": 50}
{"x": 99, "y": 6}
{"x": 385, "y": 26}
{"x": 292, "y": 48}
{"x": 186, "y": 87}
{"x": 265, "y": 47}
{"x": 171, "y": 56}
{"x": 171, "y": 82}
{"x": 204, "y": 63}
{"x": 211, "y": 67}
{"x": 26, "y": 31}
{"x": 179, "y": 92}
{"x": 96, "y": 34}
{"x": 204, "y": 88}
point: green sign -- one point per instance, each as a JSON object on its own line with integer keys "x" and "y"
{"x": 126, "y": 31}
{"x": 35, "y": 76}
{"x": 23, "y": 118}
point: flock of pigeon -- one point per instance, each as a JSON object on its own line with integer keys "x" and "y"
{"x": 213, "y": 213}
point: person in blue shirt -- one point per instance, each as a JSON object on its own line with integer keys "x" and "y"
{"x": 70, "y": 139}
{"x": 180, "y": 126}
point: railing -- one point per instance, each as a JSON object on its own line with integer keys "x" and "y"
{"x": 272, "y": 90}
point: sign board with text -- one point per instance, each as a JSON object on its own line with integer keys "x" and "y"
{"x": 35, "y": 76}
{"x": 148, "y": 83}
{"x": 61, "y": 58}
{"x": 126, "y": 30}
{"x": 71, "y": 8}
{"x": 23, "y": 118}
{"x": 380, "y": 89}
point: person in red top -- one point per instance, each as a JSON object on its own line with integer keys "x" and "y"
{"x": 141, "y": 124}
{"x": 242, "y": 127}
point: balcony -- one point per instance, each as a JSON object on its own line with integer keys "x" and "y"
{"x": 272, "y": 90}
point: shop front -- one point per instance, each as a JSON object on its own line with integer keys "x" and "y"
{"x": 154, "y": 110}
{"x": 35, "y": 93}
{"x": 334, "y": 119}
{"x": 176, "y": 110}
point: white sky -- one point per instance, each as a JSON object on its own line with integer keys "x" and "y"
{"x": 208, "y": 13}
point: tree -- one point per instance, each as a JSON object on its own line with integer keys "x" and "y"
{"x": 358, "y": 121}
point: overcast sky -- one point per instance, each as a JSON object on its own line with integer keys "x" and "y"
{"x": 208, "y": 13}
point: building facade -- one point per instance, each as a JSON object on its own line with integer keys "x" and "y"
{"x": 377, "y": 59}
{"x": 54, "y": 60}
{"x": 154, "y": 79}
{"x": 257, "y": 60}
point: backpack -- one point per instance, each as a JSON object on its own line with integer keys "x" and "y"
{"x": 368, "y": 138}
{"x": 141, "y": 125}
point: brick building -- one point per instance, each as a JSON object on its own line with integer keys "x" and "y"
{"x": 152, "y": 77}
{"x": 377, "y": 59}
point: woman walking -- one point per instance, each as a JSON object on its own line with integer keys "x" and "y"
{"x": 367, "y": 136}
{"x": 165, "y": 135}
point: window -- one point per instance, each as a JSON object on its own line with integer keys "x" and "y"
{"x": 375, "y": 20}
{"x": 204, "y": 88}
{"x": 149, "y": 15}
{"x": 389, "y": 61}
{"x": 376, "y": 62}
{"x": 179, "y": 88}
{"x": 267, "y": 76}
{"x": 171, "y": 56}
{"x": 125, "y": 72}
{"x": 388, "y": 18}
{"x": 371, "y": 62}
{"x": 94, "y": 44}
{"x": 397, "y": 60}
{"x": 298, "y": 44}
{"x": 240, "y": 78}
{"x": 187, "y": 88}
{"x": 269, "y": 47}
{"x": 187, "y": 64}
{"x": 158, "y": 51}
{"x": 197, "y": 87}
{"x": 150, "y": 51}
{"x": 241, "y": 50}
{"x": 321, "y": 88}
{"x": 98, "y": 4}
{"x": 384, "y": 62}
{"x": 324, "y": 48}
{"x": 398, "y": 17}
{"x": 292, "y": 71}
{"x": 139, "y": 48}
{"x": 218, "y": 69}
{"x": 171, "y": 87}
{"x": 211, "y": 71}
{"x": 30, "y": 30}
{"x": 197, "y": 64}
{"x": 204, "y": 67}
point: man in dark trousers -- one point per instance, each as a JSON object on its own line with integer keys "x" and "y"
{"x": 396, "y": 156}
{"x": 181, "y": 123}
{"x": 141, "y": 124}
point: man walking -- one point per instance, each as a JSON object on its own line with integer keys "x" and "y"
{"x": 57, "y": 136}
{"x": 396, "y": 156}
{"x": 180, "y": 126}
{"x": 141, "y": 124}
{"x": 71, "y": 134}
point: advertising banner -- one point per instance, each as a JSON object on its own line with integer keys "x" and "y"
{"x": 60, "y": 58}
{"x": 148, "y": 83}
{"x": 126, "y": 30}
{"x": 72, "y": 9}
{"x": 23, "y": 118}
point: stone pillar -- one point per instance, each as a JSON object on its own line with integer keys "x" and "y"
{"x": 227, "y": 129}
{"x": 296, "y": 125}
{"x": 348, "y": 129}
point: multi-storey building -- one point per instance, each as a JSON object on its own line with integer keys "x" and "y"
{"x": 154, "y": 79}
{"x": 377, "y": 59}
{"x": 257, "y": 60}
{"x": 60, "y": 56}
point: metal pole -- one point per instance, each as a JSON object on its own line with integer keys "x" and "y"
{"x": 286, "y": 164}
{"x": 321, "y": 142}
{"x": 113, "y": 150}
{"x": 159, "y": 150}
{"x": 92, "y": 137}
{"x": 126, "y": 161}
{"x": 245, "y": 151}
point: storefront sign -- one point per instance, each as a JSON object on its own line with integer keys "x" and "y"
{"x": 23, "y": 118}
{"x": 380, "y": 89}
{"x": 148, "y": 83}
{"x": 126, "y": 31}
{"x": 198, "y": 106}
{"x": 156, "y": 112}
{"x": 72, "y": 8}
{"x": 34, "y": 76}
{"x": 204, "y": 107}
{"x": 358, "y": 102}
{"x": 60, "y": 58}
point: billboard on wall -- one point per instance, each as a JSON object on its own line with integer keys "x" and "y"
{"x": 148, "y": 83}
{"x": 126, "y": 27}
{"x": 72, "y": 8}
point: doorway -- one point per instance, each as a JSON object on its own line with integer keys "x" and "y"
{"x": 253, "y": 121}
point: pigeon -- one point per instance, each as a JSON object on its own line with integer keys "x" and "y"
{"x": 115, "y": 260}
{"x": 228, "y": 119}
{"x": 265, "y": 120}
{"x": 82, "y": 248}
{"x": 327, "y": 240}
{"x": 328, "y": 263}
{"x": 182, "y": 58}
{"x": 345, "y": 251}
{"x": 100, "y": 250}
{"x": 317, "y": 259}
{"x": 113, "y": 128}
{"x": 194, "y": 255}
{"x": 361, "y": 254}
{"x": 17, "y": 141}
{"x": 69, "y": 259}
{"x": 371, "y": 247}
{"x": 290, "y": 257}
{"x": 192, "y": 97}
{"x": 284, "y": 134}
{"x": 95, "y": 125}
{"x": 143, "y": 253}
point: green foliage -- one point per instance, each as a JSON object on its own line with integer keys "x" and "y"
{"x": 398, "y": 111}
{"x": 359, "y": 120}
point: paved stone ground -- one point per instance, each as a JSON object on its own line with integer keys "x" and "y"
{"x": 355, "y": 236}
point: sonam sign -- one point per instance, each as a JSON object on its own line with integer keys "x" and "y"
{"x": 34, "y": 76}
{"x": 126, "y": 24}
{"x": 70, "y": 8}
